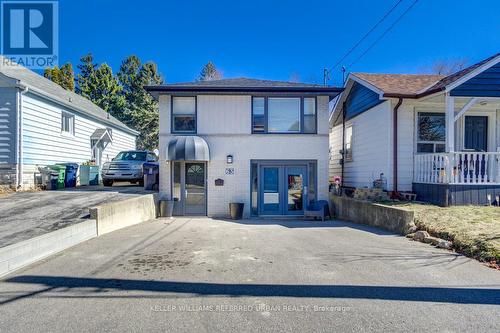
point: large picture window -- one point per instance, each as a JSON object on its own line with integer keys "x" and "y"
{"x": 284, "y": 115}
{"x": 183, "y": 114}
{"x": 431, "y": 132}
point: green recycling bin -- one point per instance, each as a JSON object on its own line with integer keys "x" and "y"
{"x": 61, "y": 171}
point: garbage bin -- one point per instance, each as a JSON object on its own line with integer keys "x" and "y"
{"x": 49, "y": 178}
{"x": 71, "y": 170}
{"x": 89, "y": 175}
{"x": 151, "y": 175}
{"x": 61, "y": 171}
{"x": 166, "y": 208}
{"x": 236, "y": 210}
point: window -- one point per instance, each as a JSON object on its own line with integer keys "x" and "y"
{"x": 284, "y": 115}
{"x": 258, "y": 117}
{"x": 348, "y": 144}
{"x": 183, "y": 114}
{"x": 309, "y": 115}
{"x": 68, "y": 123}
{"x": 151, "y": 157}
{"x": 431, "y": 132}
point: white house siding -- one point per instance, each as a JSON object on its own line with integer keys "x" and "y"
{"x": 371, "y": 148}
{"x": 225, "y": 123}
{"x": 44, "y": 144}
{"x": 406, "y": 139}
{"x": 8, "y": 135}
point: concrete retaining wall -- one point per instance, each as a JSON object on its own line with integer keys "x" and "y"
{"x": 121, "y": 214}
{"x": 377, "y": 215}
{"x": 21, "y": 254}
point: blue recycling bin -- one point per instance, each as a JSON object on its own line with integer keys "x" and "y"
{"x": 70, "y": 178}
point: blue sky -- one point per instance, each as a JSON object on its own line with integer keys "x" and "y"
{"x": 276, "y": 40}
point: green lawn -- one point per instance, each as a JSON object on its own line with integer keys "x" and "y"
{"x": 474, "y": 230}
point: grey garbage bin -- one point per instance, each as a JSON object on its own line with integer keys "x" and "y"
{"x": 151, "y": 175}
{"x": 166, "y": 208}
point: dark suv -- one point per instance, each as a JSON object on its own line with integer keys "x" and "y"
{"x": 127, "y": 167}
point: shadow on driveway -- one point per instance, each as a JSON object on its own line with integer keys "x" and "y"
{"x": 392, "y": 293}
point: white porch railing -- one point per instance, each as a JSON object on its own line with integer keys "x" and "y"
{"x": 457, "y": 168}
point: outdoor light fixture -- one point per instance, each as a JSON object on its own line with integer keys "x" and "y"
{"x": 229, "y": 159}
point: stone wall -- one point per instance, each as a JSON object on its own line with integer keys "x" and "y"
{"x": 368, "y": 213}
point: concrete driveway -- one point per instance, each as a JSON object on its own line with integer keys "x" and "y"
{"x": 25, "y": 215}
{"x": 208, "y": 275}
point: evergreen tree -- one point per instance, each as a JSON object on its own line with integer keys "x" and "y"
{"x": 63, "y": 76}
{"x": 209, "y": 73}
{"x": 141, "y": 110}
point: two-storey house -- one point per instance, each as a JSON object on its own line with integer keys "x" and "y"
{"x": 259, "y": 142}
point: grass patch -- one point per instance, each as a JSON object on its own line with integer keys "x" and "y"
{"x": 474, "y": 230}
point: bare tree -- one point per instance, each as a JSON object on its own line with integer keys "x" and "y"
{"x": 447, "y": 67}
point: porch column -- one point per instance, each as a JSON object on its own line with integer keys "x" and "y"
{"x": 450, "y": 122}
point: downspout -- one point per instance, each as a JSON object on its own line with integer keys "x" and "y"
{"x": 395, "y": 148}
{"x": 19, "y": 168}
{"x": 343, "y": 145}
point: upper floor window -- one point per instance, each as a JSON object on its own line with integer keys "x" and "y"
{"x": 348, "y": 144}
{"x": 431, "y": 132}
{"x": 283, "y": 115}
{"x": 68, "y": 123}
{"x": 183, "y": 114}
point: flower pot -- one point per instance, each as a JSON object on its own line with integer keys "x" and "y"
{"x": 236, "y": 210}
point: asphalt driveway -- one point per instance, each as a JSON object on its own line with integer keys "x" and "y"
{"x": 208, "y": 275}
{"x": 24, "y": 215}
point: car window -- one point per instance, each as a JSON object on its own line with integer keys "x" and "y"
{"x": 151, "y": 157}
{"x": 130, "y": 156}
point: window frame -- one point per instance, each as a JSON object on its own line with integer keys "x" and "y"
{"x": 417, "y": 133}
{"x": 348, "y": 152}
{"x": 301, "y": 116}
{"x": 172, "y": 129}
{"x": 71, "y": 116}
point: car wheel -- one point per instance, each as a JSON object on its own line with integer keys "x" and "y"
{"x": 107, "y": 182}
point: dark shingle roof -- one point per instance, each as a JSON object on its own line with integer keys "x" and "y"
{"x": 50, "y": 89}
{"x": 241, "y": 85}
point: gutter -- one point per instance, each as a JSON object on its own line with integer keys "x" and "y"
{"x": 395, "y": 147}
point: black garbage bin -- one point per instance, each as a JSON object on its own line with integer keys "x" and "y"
{"x": 236, "y": 210}
{"x": 151, "y": 172}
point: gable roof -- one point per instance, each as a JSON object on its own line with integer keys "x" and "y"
{"x": 45, "y": 87}
{"x": 417, "y": 85}
{"x": 244, "y": 85}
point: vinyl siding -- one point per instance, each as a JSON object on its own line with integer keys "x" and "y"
{"x": 360, "y": 99}
{"x": 406, "y": 139}
{"x": 371, "y": 147}
{"x": 43, "y": 142}
{"x": 485, "y": 84}
{"x": 8, "y": 125}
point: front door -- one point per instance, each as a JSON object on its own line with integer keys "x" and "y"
{"x": 282, "y": 190}
{"x": 189, "y": 188}
{"x": 476, "y": 133}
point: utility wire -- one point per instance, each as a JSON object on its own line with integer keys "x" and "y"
{"x": 366, "y": 35}
{"x": 384, "y": 33}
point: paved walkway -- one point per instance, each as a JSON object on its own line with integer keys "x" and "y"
{"x": 24, "y": 215}
{"x": 203, "y": 275}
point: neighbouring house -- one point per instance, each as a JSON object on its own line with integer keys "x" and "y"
{"x": 438, "y": 136}
{"x": 258, "y": 142}
{"x": 41, "y": 124}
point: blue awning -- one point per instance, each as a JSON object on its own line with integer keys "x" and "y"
{"x": 188, "y": 148}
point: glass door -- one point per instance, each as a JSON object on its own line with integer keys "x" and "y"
{"x": 271, "y": 194}
{"x": 194, "y": 189}
{"x": 296, "y": 189}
